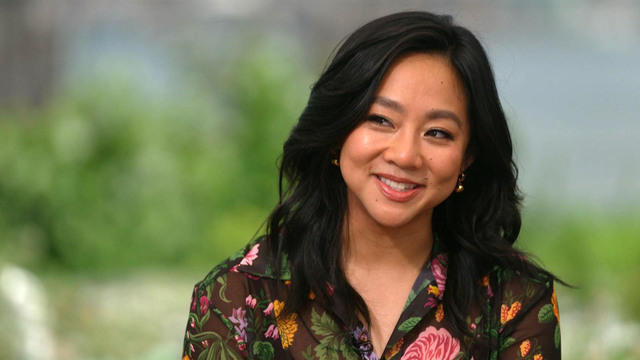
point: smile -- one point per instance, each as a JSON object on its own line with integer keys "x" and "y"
{"x": 397, "y": 186}
{"x": 397, "y": 191}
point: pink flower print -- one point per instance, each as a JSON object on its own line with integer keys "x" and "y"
{"x": 193, "y": 300}
{"x": 251, "y": 255}
{"x": 204, "y": 305}
{"x": 193, "y": 323}
{"x": 234, "y": 268}
{"x": 239, "y": 319}
{"x": 439, "y": 270}
{"x": 431, "y": 303}
{"x": 269, "y": 309}
{"x": 272, "y": 332}
{"x": 434, "y": 344}
{"x": 250, "y": 301}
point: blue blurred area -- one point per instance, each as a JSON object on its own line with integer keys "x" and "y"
{"x": 139, "y": 143}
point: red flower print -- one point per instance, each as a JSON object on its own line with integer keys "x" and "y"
{"x": 204, "y": 305}
{"x": 193, "y": 300}
{"x": 434, "y": 344}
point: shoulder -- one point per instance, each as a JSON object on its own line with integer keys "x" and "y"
{"x": 230, "y": 282}
{"x": 518, "y": 293}
{"x": 232, "y": 306}
{"x": 525, "y": 312}
{"x": 515, "y": 283}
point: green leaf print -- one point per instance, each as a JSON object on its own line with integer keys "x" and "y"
{"x": 204, "y": 320}
{"x": 556, "y": 337}
{"x": 507, "y": 343}
{"x": 220, "y": 350}
{"x": 223, "y": 287}
{"x": 204, "y": 355}
{"x": 308, "y": 354}
{"x": 323, "y": 325}
{"x": 409, "y": 323}
{"x": 545, "y": 314}
{"x": 330, "y": 346}
{"x": 326, "y": 350}
{"x": 263, "y": 350}
{"x": 412, "y": 295}
{"x": 197, "y": 337}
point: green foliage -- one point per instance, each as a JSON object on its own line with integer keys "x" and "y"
{"x": 597, "y": 252}
{"x": 111, "y": 175}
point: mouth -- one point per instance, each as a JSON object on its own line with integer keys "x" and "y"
{"x": 397, "y": 185}
{"x": 397, "y": 189}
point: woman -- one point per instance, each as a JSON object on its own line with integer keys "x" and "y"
{"x": 393, "y": 236}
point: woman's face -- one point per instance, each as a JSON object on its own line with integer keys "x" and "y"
{"x": 405, "y": 158}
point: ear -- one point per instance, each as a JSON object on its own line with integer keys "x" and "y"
{"x": 467, "y": 162}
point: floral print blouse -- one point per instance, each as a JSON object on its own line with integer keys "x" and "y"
{"x": 236, "y": 312}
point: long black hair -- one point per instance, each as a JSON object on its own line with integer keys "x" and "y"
{"x": 477, "y": 227}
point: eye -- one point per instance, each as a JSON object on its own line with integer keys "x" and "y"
{"x": 438, "y": 133}
{"x": 378, "y": 120}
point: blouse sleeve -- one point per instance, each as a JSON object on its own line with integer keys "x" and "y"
{"x": 215, "y": 329}
{"x": 530, "y": 322}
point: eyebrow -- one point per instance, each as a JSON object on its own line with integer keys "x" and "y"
{"x": 432, "y": 114}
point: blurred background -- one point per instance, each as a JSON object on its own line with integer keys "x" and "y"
{"x": 139, "y": 142}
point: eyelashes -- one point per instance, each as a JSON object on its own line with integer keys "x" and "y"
{"x": 439, "y": 133}
{"x": 434, "y": 133}
{"x": 377, "y": 119}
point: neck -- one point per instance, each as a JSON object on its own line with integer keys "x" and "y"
{"x": 369, "y": 245}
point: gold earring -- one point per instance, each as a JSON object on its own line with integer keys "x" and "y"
{"x": 335, "y": 162}
{"x": 459, "y": 187}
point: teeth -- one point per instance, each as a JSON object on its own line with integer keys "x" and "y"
{"x": 397, "y": 186}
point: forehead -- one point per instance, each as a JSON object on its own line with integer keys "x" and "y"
{"x": 424, "y": 74}
{"x": 423, "y": 84}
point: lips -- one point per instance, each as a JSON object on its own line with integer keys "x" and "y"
{"x": 397, "y": 189}
{"x": 398, "y": 186}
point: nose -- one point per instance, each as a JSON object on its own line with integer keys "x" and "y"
{"x": 404, "y": 151}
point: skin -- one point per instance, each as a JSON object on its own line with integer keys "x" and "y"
{"x": 416, "y": 132}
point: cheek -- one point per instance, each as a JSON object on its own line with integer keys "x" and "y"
{"x": 357, "y": 148}
{"x": 446, "y": 163}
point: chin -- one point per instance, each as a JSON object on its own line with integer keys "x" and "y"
{"x": 393, "y": 222}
